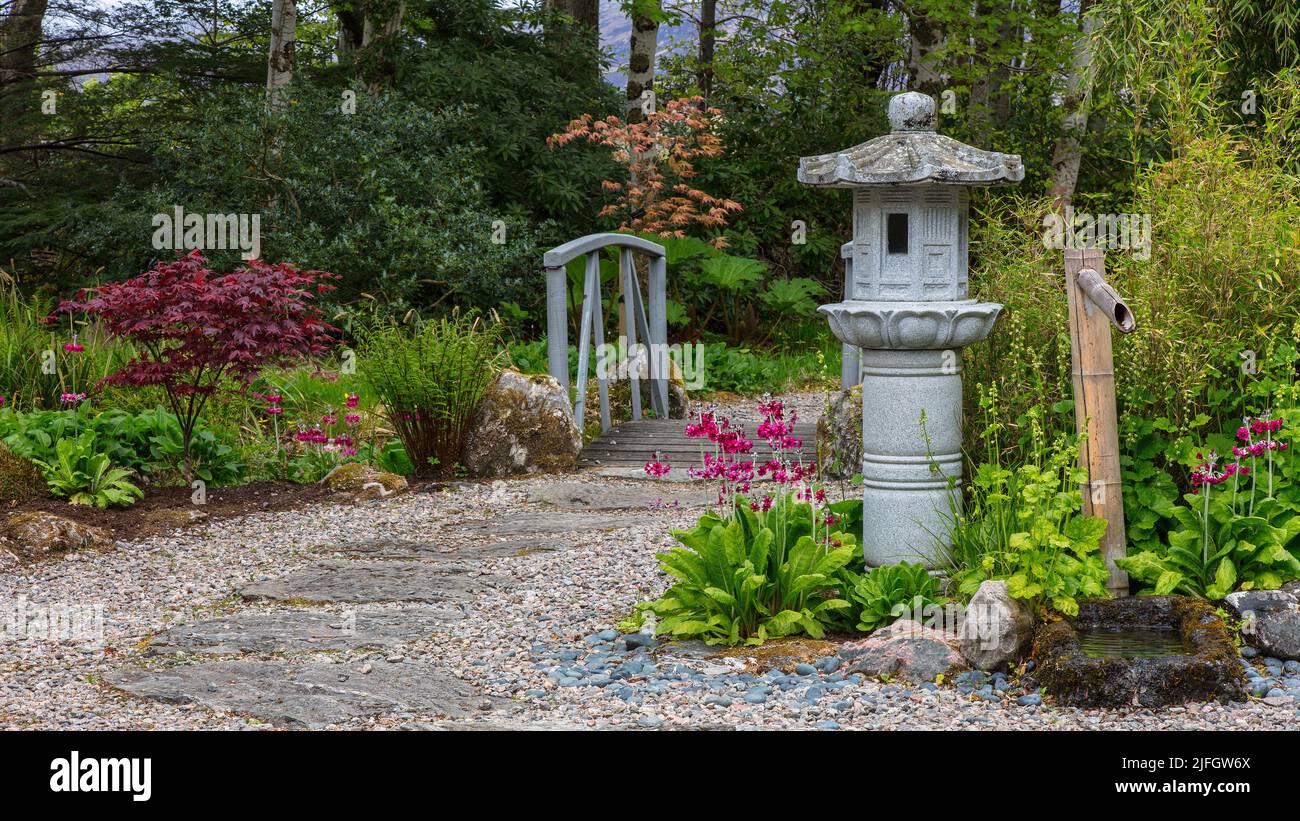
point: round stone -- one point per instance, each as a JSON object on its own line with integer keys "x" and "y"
{"x": 912, "y": 111}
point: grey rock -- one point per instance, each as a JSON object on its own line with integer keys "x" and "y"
{"x": 1270, "y": 621}
{"x": 996, "y": 628}
{"x": 306, "y": 695}
{"x": 1030, "y": 700}
{"x": 338, "y": 580}
{"x": 301, "y": 630}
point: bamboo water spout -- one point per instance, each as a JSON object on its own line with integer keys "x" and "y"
{"x": 1094, "y": 307}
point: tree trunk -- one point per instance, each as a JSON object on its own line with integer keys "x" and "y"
{"x": 383, "y": 20}
{"x": 922, "y": 67}
{"x": 20, "y": 34}
{"x": 279, "y": 63}
{"x": 1078, "y": 96}
{"x": 586, "y": 12}
{"x": 708, "y": 43}
{"x": 990, "y": 96}
{"x": 641, "y": 65}
{"x": 351, "y": 30}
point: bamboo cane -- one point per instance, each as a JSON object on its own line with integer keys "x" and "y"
{"x": 1094, "y": 400}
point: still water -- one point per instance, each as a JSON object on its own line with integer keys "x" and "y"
{"x": 1131, "y": 643}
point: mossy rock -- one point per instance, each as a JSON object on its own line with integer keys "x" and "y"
{"x": 40, "y": 535}
{"x": 522, "y": 425}
{"x": 20, "y": 479}
{"x": 365, "y": 481}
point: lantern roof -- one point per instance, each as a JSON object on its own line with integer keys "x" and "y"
{"x": 911, "y": 153}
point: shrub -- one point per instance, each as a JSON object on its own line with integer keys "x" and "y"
{"x": 193, "y": 328}
{"x": 1239, "y": 527}
{"x": 20, "y": 479}
{"x": 148, "y": 442}
{"x": 28, "y": 347}
{"x": 430, "y": 378}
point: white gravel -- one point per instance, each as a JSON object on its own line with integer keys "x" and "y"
{"x": 554, "y": 598}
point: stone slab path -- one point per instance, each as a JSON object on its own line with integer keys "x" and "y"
{"x": 287, "y": 631}
{"x": 341, "y": 580}
{"x": 307, "y": 695}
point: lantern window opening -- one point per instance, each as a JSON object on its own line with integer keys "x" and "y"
{"x": 896, "y": 240}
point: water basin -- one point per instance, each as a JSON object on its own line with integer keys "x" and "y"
{"x": 1131, "y": 643}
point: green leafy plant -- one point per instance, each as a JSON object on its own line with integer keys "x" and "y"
{"x": 753, "y": 576}
{"x": 1024, "y": 525}
{"x": 889, "y": 592}
{"x": 1239, "y": 528}
{"x": 86, "y": 476}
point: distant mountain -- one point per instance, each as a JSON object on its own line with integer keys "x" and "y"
{"x": 616, "y": 38}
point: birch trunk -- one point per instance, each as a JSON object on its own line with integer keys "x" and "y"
{"x": 1078, "y": 96}
{"x": 922, "y": 67}
{"x": 641, "y": 64}
{"x": 279, "y": 63}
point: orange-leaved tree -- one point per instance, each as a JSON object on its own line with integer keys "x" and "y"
{"x": 659, "y": 154}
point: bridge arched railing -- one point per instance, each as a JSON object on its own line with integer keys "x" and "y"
{"x": 651, "y": 330}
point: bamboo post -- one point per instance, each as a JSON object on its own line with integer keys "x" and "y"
{"x": 1094, "y": 306}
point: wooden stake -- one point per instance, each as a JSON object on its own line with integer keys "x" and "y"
{"x": 1094, "y": 411}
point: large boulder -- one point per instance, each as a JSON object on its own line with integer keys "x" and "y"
{"x": 996, "y": 629}
{"x": 1270, "y": 620}
{"x": 839, "y": 434}
{"x": 905, "y": 650}
{"x": 523, "y": 425}
{"x": 34, "y": 535}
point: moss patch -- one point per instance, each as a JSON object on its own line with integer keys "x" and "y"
{"x": 20, "y": 479}
{"x": 783, "y": 653}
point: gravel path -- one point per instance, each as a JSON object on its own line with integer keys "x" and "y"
{"x": 522, "y": 637}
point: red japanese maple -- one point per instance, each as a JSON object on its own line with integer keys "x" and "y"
{"x": 194, "y": 328}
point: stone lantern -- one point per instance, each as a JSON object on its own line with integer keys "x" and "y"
{"x": 908, "y": 314}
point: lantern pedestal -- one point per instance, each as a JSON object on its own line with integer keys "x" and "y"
{"x": 911, "y": 419}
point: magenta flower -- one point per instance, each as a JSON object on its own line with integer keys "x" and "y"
{"x": 71, "y": 398}
{"x": 352, "y": 418}
{"x": 352, "y": 400}
{"x": 73, "y": 347}
{"x": 657, "y": 468}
